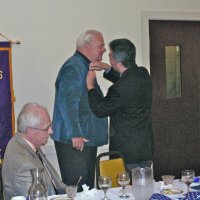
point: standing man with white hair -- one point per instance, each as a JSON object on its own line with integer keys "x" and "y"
{"x": 77, "y": 131}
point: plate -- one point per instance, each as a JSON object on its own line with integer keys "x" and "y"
{"x": 195, "y": 187}
{"x": 61, "y": 198}
{"x": 173, "y": 191}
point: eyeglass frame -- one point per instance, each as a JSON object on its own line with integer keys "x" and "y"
{"x": 41, "y": 129}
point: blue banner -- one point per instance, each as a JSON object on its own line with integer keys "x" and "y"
{"x": 7, "y": 120}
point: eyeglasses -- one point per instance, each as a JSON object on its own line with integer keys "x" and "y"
{"x": 41, "y": 129}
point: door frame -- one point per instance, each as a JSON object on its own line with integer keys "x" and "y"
{"x": 160, "y": 15}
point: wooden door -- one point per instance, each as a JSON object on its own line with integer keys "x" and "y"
{"x": 176, "y": 121}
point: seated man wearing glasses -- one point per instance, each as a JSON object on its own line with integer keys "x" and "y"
{"x": 21, "y": 155}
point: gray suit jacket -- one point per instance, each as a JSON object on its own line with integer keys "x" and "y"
{"x": 19, "y": 158}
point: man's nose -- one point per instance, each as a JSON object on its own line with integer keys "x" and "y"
{"x": 50, "y": 131}
{"x": 104, "y": 49}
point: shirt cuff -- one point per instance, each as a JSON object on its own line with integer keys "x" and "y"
{"x": 107, "y": 70}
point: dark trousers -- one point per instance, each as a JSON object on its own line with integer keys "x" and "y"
{"x": 74, "y": 163}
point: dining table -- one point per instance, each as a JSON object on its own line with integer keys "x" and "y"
{"x": 114, "y": 193}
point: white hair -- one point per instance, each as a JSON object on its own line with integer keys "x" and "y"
{"x": 29, "y": 116}
{"x": 86, "y": 37}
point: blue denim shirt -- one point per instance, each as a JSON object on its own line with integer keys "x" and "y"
{"x": 72, "y": 116}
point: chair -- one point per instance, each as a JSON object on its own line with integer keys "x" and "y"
{"x": 111, "y": 167}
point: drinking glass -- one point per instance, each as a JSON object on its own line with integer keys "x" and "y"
{"x": 142, "y": 183}
{"x": 168, "y": 179}
{"x": 123, "y": 179}
{"x": 187, "y": 177}
{"x": 105, "y": 183}
{"x": 71, "y": 191}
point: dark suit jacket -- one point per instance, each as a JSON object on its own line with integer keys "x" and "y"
{"x": 19, "y": 158}
{"x": 128, "y": 103}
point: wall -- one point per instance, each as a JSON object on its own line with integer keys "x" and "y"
{"x": 48, "y": 29}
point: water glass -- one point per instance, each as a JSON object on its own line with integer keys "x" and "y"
{"x": 71, "y": 190}
{"x": 187, "y": 176}
{"x": 105, "y": 183}
{"x": 123, "y": 179}
{"x": 168, "y": 179}
{"x": 142, "y": 183}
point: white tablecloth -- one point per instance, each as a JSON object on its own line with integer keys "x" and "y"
{"x": 113, "y": 193}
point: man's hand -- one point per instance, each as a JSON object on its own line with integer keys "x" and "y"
{"x": 90, "y": 79}
{"x": 98, "y": 66}
{"x": 78, "y": 143}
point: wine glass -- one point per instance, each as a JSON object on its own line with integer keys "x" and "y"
{"x": 187, "y": 177}
{"x": 105, "y": 183}
{"x": 123, "y": 179}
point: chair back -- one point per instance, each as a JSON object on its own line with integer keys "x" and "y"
{"x": 111, "y": 167}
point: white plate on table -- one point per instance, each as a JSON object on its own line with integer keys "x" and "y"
{"x": 61, "y": 198}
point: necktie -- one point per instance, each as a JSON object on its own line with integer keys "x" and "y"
{"x": 57, "y": 183}
{"x": 39, "y": 156}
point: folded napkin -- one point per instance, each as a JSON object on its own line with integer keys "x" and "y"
{"x": 189, "y": 196}
{"x": 88, "y": 193}
{"x": 164, "y": 187}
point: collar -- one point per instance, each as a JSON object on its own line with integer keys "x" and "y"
{"x": 84, "y": 57}
{"x": 123, "y": 72}
{"x": 30, "y": 144}
{"x": 130, "y": 69}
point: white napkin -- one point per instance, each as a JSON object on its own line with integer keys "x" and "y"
{"x": 165, "y": 187}
{"x": 87, "y": 192}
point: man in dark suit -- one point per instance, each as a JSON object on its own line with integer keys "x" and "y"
{"x": 23, "y": 153}
{"x": 128, "y": 103}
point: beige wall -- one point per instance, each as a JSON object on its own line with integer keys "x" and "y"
{"x": 48, "y": 29}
